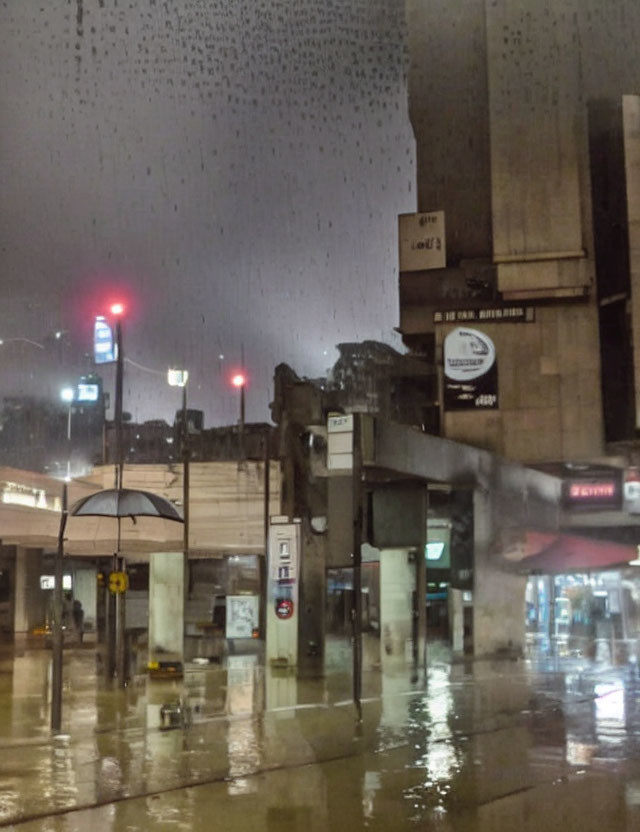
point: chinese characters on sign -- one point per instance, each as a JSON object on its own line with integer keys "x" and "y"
{"x": 504, "y": 314}
{"x": 604, "y": 493}
{"x": 422, "y": 241}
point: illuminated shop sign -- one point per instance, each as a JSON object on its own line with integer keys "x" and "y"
{"x": 104, "y": 346}
{"x": 600, "y": 493}
{"x": 88, "y": 392}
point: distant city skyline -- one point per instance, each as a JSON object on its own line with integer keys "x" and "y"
{"x": 234, "y": 173}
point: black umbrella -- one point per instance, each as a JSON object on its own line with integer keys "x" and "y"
{"x": 125, "y": 502}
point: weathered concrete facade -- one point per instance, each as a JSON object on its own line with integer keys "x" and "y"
{"x": 499, "y": 95}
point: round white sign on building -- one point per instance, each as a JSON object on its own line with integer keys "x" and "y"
{"x": 468, "y": 354}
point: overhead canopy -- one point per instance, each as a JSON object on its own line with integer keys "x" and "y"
{"x": 563, "y": 553}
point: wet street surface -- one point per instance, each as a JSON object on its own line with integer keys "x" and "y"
{"x": 528, "y": 745}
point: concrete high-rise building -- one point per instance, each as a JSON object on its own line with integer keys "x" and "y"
{"x": 527, "y": 123}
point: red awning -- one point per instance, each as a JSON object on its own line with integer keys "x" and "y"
{"x": 562, "y": 553}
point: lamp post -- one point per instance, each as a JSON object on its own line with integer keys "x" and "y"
{"x": 116, "y": 608}
{"x": 57, "y": 632}
{"x": 67, "y": 394}
{"x": 239, "y": 380}
{"x": 117, "y": 310}
{"x": 179, "y": 378}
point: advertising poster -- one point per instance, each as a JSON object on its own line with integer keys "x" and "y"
{"x": 242, "y": 615}
{"x": 470, "y": 371}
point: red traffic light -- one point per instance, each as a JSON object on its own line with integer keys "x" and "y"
{"x": 239, "y": 380}
{"x": 117, "y": 309}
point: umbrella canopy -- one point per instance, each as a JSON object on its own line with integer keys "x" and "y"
{"x": 125, "y": 502}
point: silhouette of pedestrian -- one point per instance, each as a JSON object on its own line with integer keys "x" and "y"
{"x": 78, "y": 619}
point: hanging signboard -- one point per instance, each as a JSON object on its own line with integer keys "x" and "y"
{"x": 422, "y": 241}
{"x": 470, "y": 371}
{"x": 340, "y": 443}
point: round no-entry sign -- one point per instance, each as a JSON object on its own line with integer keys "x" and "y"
{"x": 284, "y": 608}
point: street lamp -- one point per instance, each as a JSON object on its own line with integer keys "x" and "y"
{"x": 67, "y": 394}
{"x": 116, "y": 607}
{"x": 117, "y": 310}
{"x": 239, "y": 381}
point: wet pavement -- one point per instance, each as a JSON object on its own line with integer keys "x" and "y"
{"x": 539, "y": 744}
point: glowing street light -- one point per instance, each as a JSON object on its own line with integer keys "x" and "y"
{"x": 117, "y": 309}
{"x": 239, "y": 381}
{"x": 177, "y": 378}
{"x": 115, "y": 646}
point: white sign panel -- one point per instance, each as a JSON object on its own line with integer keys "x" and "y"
{"x": 422, "y": 241}
{"x": 470, "y": 371}
{"x": 283, "y": 552}
{"x": 340, "y": 424}
{"x": 468, "y": 354}
{"x": 242, "y": 615}
{"x": 340, "y": 442}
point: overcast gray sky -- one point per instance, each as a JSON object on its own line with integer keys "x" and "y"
{"x": 236, "y": 166}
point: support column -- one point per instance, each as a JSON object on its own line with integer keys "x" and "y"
{"x": 397, "y": 588}
{"x": 312, "y": 596}
{"x": 29, "y": 608}
{"x": 456, "y": 620}
{"x": 498, "y": 595}
{"x": 166, "y": 607}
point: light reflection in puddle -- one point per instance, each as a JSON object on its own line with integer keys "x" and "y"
{"x": 610, "y": 714}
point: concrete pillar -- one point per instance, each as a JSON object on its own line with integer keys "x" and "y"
{"x": 498, "y": 595}
{"x": 311, "y": 622}
{"x": 29, "y": 609}
{"x": 456, "y": 620}
{"x": 85, "y": 590}
{"x": 397, "y": 587}
{"x": 166, "y": 606}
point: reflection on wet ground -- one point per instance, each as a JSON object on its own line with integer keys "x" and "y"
{"x": 530, "y": 745}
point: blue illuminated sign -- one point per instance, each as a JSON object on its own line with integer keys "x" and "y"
{"x": 104, "y": 348}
